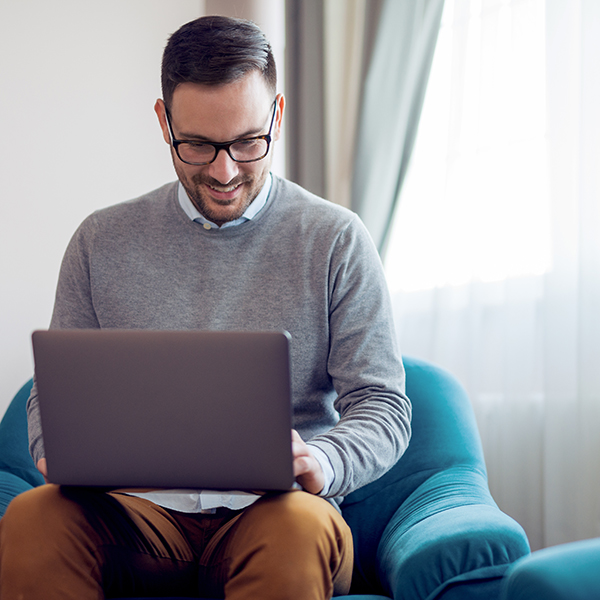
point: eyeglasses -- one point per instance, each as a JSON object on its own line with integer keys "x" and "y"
{"x": 242, "y": 150}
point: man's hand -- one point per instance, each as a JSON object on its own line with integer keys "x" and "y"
{"x": 307, "y": 470}
{"x": 42, "y": 467}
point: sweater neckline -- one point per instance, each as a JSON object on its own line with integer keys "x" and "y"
{"x": 227, "y": 232}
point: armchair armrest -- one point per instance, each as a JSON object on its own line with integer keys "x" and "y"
{"x": 11, "y": 485}
{"x": 449, "y": 534}
{"x": 17, "y": 471}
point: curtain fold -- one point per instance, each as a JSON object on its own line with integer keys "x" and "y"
{"x": 343, "y": 57}
{"x": 328, "y": 44}
{"x": 305, "y": 94}
{"x": 391, "y": 106}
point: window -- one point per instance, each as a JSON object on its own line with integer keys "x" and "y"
{"x": 475, "y": 206}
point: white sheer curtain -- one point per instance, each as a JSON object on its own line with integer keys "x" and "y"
{"x": 494, "y": 258}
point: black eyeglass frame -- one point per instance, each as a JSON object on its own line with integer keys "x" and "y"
{"x": 221, "y": 146}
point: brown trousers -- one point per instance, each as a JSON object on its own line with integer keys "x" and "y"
{"x": 71, "y": 543}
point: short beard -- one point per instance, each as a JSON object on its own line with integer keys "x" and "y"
{"x": 194, "y": 186}
{"x": 198, "y": 181}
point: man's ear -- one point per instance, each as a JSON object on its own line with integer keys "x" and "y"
{"x": 161, "y": 112}
{"x": 280, "y": 100}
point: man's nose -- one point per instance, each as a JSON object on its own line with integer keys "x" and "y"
{"x": 223, "y": 168}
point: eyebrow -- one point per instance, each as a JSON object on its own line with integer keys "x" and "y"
{"x": 196, "y": 137}
{"x": 201, "y": 138}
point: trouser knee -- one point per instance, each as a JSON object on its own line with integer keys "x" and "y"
{"x": 299, "y": 515}
{"x": 32, "y": 511}
{"x": 297, "y": 540}
{"x": 45, "y": 518}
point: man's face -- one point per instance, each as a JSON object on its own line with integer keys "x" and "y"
{"x": 223, "y": 189}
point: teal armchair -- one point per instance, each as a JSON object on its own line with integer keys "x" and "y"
{"x": 562, "y": 572}
{"x": 428, "y": 529}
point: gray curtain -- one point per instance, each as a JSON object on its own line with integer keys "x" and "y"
{"x": 304, "y": 89}
{"x": 391, "y": 107}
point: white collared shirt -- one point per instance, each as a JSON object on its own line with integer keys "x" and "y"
{"x": 255, "y": 207}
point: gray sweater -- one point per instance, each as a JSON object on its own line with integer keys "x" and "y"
{"x": 303, "y": 265}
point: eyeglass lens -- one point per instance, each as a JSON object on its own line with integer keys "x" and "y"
{"x": 242, "y": 151}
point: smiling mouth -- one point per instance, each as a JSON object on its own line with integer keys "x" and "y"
{"x": 224, "y": 189}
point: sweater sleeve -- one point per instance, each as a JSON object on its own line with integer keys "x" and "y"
{"x": 73, "y": 309}
{"x": 365, "y": 367}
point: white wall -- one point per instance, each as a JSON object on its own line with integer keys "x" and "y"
{"x": 78, "y": 82}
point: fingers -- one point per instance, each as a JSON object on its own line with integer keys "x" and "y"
{"x": 42, "y": 467}
{"x": 307, "y": 470}
{"x": 299, "y": 448}
{"x": 302, "y": 465}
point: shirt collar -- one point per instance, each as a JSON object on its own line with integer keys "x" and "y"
{"x": 255, "y": 207}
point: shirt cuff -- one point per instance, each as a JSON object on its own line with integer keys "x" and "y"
{"x": 325, "y": 463}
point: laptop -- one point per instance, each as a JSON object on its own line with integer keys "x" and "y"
{"x": 166, "y": 409}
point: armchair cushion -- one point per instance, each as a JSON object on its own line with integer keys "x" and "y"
{"x": 10, "y": 486}
{"x": 17, "y": 470}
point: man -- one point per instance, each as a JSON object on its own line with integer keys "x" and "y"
{"x": 228, "y": 246}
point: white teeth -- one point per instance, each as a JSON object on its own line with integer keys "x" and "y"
{"x": 224, "y": 190}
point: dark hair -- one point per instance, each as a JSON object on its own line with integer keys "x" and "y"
{"x": 216, "y": 50}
